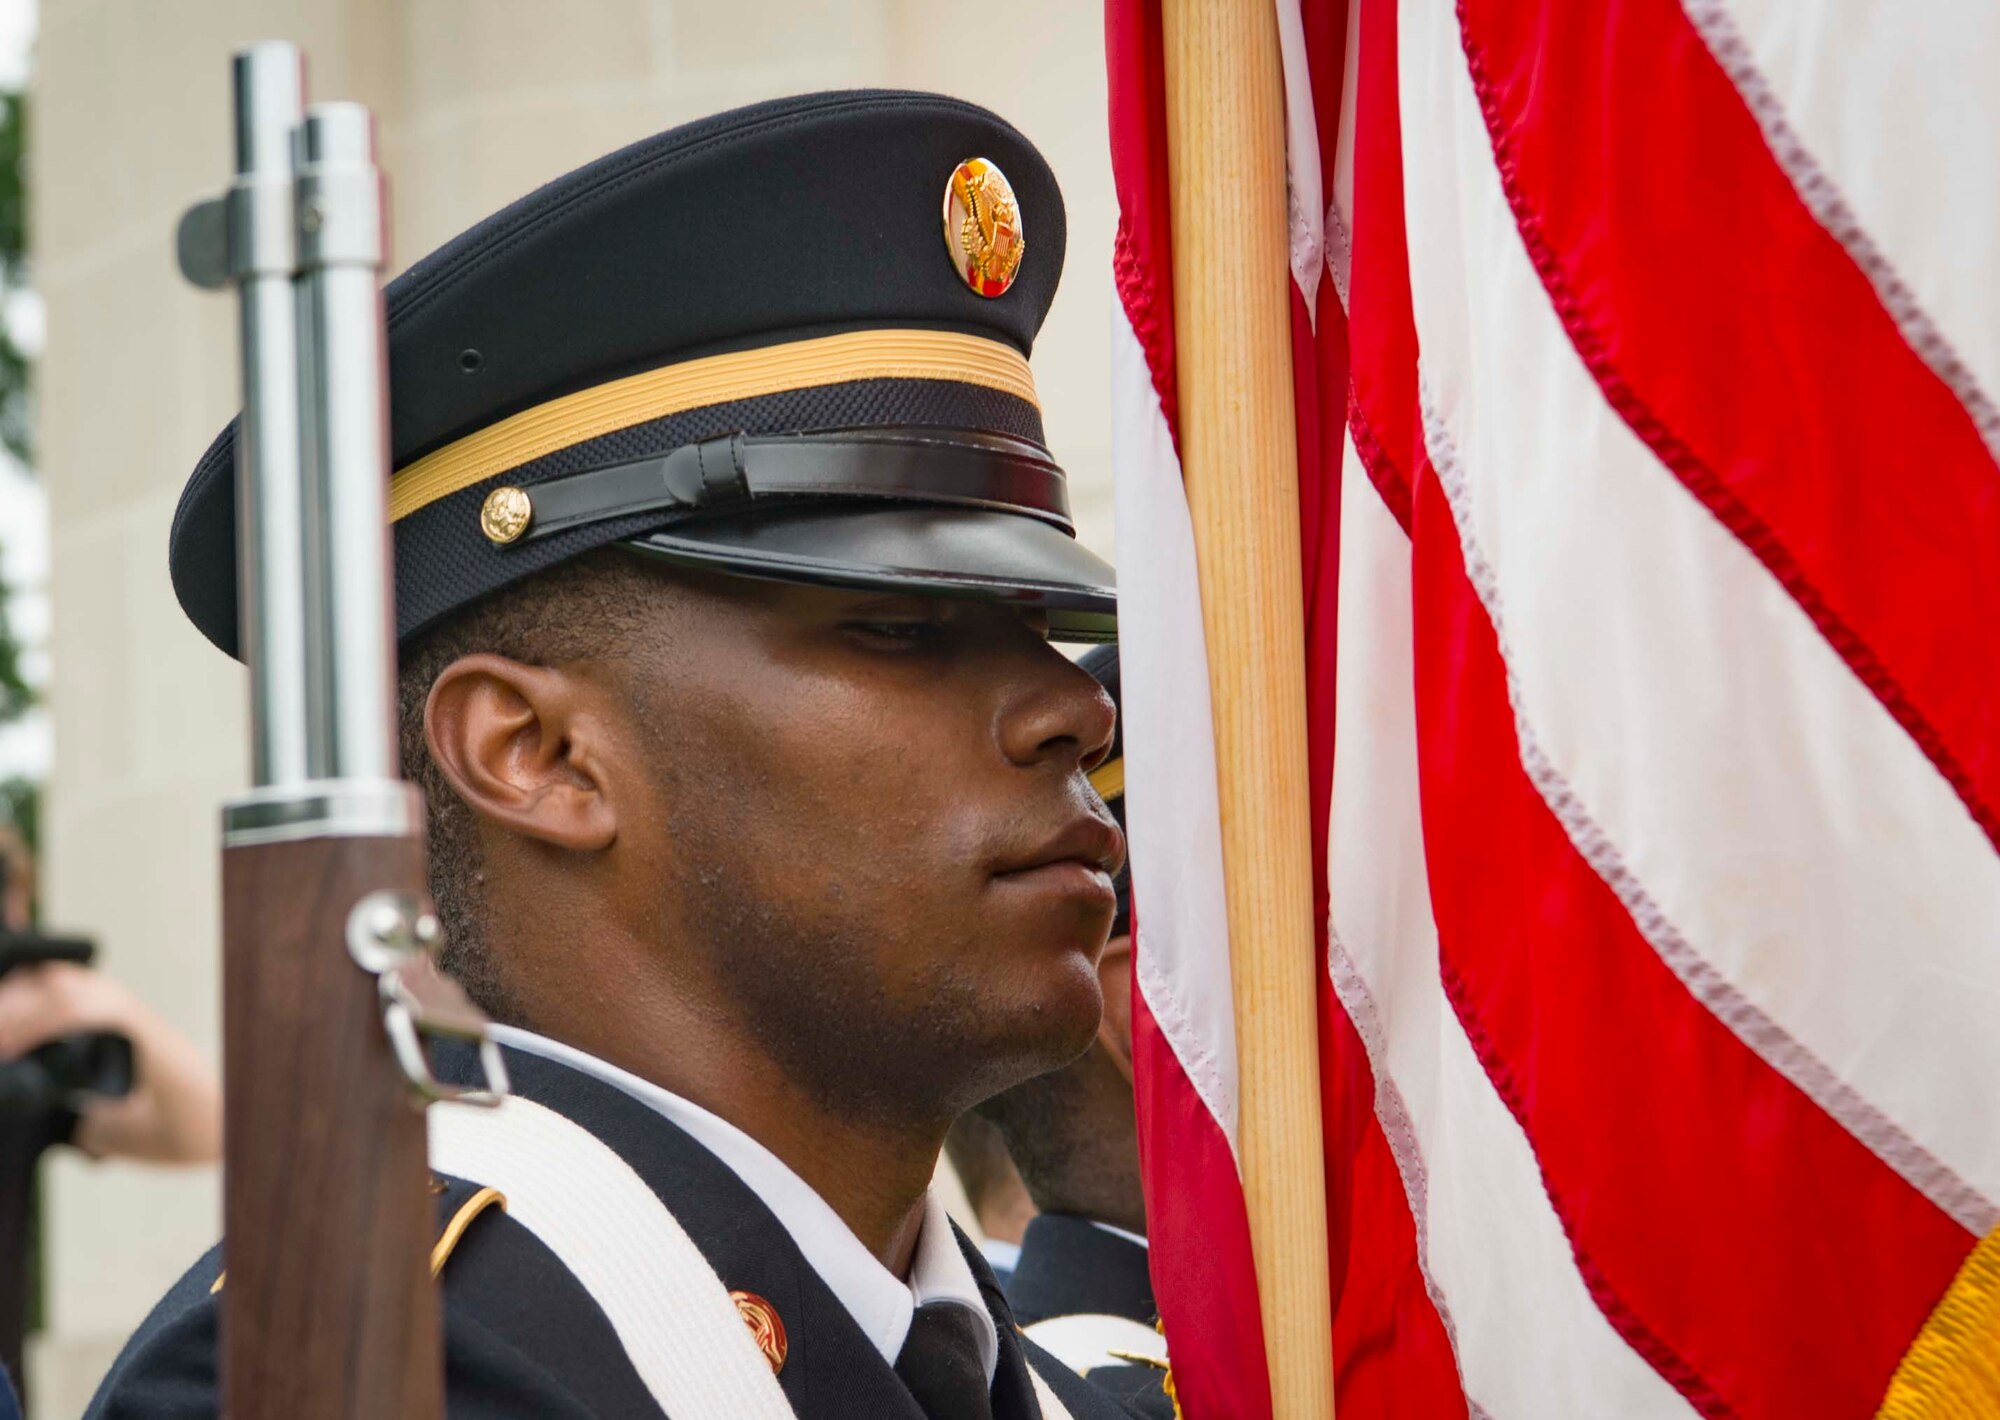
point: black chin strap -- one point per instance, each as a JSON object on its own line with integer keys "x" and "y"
{"x": 938, "y": 466}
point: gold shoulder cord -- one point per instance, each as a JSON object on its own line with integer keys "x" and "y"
{"x": 447, "y": 1241}
{"x": 460, "y": 1221}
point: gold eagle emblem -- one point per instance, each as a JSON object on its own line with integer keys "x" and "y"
{"x": 982, "y": 226}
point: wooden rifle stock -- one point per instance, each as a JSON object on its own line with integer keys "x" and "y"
{"x": 329, "y": 1311}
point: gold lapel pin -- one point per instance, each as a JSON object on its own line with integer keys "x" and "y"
{"x": 765, "y": 1328}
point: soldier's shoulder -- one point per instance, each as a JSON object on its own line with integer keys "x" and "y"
{"x": 521, "y": 1336}
{"x": 167, "y": 1368}
{"x": 511, "y": 1306}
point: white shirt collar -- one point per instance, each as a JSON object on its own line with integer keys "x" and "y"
{"x": 880, "y": 1303}
{"x": 1115, "y": 1232}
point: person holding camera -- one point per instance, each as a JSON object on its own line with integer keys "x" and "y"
{"x": 132, "y": 1086}
{"x": 86, "y": 1063}
{"x": 172, "y": 1113}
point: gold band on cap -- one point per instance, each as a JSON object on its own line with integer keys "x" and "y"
{"x": 1108, "y": 779}
{"x": 714, "y": 379}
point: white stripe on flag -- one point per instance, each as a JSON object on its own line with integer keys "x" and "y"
{"x": 1302, "y": 172}
{"x": 1782, "y": 843}
{"x": 1530, "y": 1340}
{"x": 1173, "y": 810}
{"x": 1340, "y": 212}
{"x": 1887, "y": 119}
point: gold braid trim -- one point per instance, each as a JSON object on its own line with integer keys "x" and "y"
{"x": 460, "y": 1221}
{"x": 714, "y": 379}
{"x": 453, "y": 1231}
{"x": 1953, "y": 1367}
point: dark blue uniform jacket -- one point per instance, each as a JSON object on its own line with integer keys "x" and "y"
{"x": 524, "y": 1341}
{"x": 1069, "y": 1266}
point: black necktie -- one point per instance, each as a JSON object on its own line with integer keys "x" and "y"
{"x": 940, "y": 1363}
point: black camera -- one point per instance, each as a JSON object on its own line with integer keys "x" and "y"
{"x": 55, "y": 1074}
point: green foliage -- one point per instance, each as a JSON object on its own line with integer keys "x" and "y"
{"x": 13, "y": 191}
{"x": 16, "y": 409}
{"x": 20, "y": 798}
{"x": 21, "y": 808}
{"x": 16, "y": 389}
{"x": 16, "y": 695}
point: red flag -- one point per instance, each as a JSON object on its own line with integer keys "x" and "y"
{"x": 1656, "y": 782}
{"x": 1183, "y": 1033}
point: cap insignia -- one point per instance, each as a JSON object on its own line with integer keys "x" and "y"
{"x": 504, "y": 516}
{"x": 982, "y": 227}
{"x": 765, "y": 1328}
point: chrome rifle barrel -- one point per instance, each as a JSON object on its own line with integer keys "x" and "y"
{"x": 343, "y": 365}
{"x": 269, "y": 82}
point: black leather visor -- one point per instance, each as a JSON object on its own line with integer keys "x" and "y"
{"x": 933, "y": 551}
{"x": 941, "y": 512}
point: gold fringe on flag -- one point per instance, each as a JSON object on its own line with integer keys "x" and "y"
{"x": 1953, "y": 1367}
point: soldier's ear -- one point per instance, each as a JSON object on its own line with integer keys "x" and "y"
{"x": 524, "y": 747}
{"x": 1114, "y": 975}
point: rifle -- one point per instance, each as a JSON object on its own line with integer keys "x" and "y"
{"x": 329, "y": 1311}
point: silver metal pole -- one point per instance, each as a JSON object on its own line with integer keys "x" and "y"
{"x": 343, "y": 361}
{"x": 269, "y": 81}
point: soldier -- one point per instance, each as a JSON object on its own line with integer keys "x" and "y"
{"x": 728, "y": 553}
{"x": 1082, "y": 1286}
{"x": 993, "y": 1190}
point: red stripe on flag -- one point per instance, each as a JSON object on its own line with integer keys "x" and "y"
{"x": 1324, "y": 23}
{"x": 1665, "y": 231}
{"x": 1203, "y": 1275}
{"x": 1204, "y": 1271}
{"x": 1392, "y": 1355}
{"x": 1382, "y": 326}
{"x": 1751, "y": 1249}
{"x": 1142, "y": 257}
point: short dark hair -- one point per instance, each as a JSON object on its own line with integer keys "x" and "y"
{"x": 580, "y": 609}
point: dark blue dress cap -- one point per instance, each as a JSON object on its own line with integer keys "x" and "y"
{"x": 789, "y": 341}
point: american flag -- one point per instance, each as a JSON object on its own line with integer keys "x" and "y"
{"x": 1645, "y": 355}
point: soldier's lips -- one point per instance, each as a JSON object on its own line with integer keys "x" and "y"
{"x": 1074, "y": 863}
{"x": 1063, "y": 877}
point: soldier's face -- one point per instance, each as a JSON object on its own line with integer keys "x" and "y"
{"x": 873, "y": 837}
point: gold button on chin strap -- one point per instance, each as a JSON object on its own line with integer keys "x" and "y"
{"x": 505, "y": 515}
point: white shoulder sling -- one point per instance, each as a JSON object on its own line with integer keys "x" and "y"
{"x": 670, "y": 1311}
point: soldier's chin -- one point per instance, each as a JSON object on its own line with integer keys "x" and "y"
{"x": 1059, "y": 1019}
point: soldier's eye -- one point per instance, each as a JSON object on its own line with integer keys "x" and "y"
{"x": 898, "y": 632}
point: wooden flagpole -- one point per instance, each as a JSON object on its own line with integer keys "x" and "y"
{"x": 1239, "y": 459}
